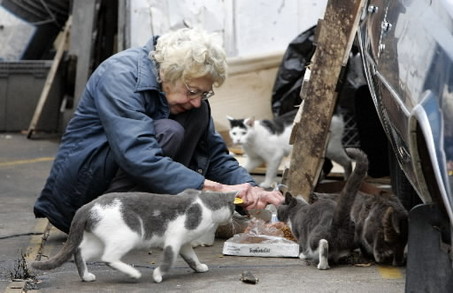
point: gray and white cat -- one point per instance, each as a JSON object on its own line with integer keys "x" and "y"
{"x": 267, "y": 141}
{"x": 324, "y": 229}
{"x": 115, "y": 223}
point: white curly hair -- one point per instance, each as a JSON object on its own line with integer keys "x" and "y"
{"x": 189, "y": 53}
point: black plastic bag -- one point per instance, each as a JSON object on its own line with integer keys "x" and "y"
{"x": 286, "y": 90}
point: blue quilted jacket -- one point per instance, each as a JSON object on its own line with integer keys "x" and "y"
{"x": 113, "y": 127}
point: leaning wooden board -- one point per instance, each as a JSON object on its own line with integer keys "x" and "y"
{"x": 334, "y": 37}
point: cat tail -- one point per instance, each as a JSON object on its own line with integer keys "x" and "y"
{"x": 75, "y": 237}
{"x": 351, "y": 187}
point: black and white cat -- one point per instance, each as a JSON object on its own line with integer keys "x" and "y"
{"x": 267, "y": 141}
{"x": 324, "y": 228}
{"x": 115, "y": 223}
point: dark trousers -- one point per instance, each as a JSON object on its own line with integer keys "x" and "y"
{"x": 178, "y": 137}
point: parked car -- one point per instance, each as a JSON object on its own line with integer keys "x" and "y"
{"x": 407, "y": 52}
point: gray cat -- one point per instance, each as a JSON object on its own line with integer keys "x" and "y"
{"x": 115, "y": 223}
{"x": 324, "y": 228}
{"x": 380, "y": 223}
{"x": 381, "y": 227}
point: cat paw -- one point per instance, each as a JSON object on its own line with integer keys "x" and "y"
{"x": 302, "y": 256}
{"x": 201, "y": 243}
{"x": 89, "y": 277}
{"x": 323, "y": 266}
{"x": 157, "y": 276}
{"x": 201, "y": 268}
{"x": 266, "y": 185}
{"x": 135, "y": 274}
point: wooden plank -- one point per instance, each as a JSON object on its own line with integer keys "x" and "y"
{"x": 85, "y": 13}
{"x": 334, "y": 37}
{"x": 50, "y": 78}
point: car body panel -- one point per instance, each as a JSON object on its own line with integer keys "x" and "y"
{"x": 407, "y": 49}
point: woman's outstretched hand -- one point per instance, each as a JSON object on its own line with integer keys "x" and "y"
{"x": 254, "y": 197}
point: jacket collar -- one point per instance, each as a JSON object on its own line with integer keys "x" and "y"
{"x": 146, "y": 76}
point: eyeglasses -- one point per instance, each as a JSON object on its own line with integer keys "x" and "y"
{"x": 193, "y": 94}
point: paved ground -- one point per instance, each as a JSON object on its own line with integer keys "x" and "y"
{"x": 24, "y": 166}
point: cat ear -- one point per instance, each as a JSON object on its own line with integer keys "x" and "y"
{"x": 249, "y": 121}
{"x": 289, "y": 199}
{"x": 389, "y": 226}
{"x": 399, "y": 221}
{"x": 231, "y": 120}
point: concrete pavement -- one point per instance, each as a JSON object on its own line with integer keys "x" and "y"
{"x": 24, "y": 166}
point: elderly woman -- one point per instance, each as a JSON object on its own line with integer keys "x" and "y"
{"x": 144, "y": 124}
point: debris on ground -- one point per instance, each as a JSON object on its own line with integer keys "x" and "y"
{"x": 249, "y": 278}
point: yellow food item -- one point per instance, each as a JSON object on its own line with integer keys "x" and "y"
{"x": 238, "y": 200}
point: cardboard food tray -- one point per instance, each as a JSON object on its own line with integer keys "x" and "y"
{"x": 268, "y": 246}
